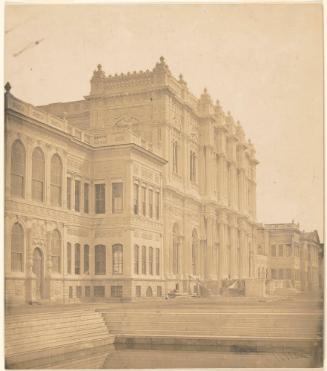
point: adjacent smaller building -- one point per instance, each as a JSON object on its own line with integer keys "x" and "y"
{"x": 292, "y": 257}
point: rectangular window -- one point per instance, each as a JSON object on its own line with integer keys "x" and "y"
{"x": 150, "y": 260}
{"x": 143, "y": 200}
{"x": 280, "y": 250}
{"x": 87, "y": 291}
{"x": 77, "y": 195}
{"x": 100, "y": 198}
{"x": 273, "y": 250}
{"x": 69, "y": 193}
{"x": 70, "y": 294}
{"x": 136, "y": 259}
{"x": 117, "y": 197}
{"x": 159, "y": 291}
{"x": 137, "y": 291}
{"x": 157, "y": 205}
{"x": 86, "y": 197}
{"x": 69, "y": 258}
{"x": 143, "y": 260}
{"x": 157, "y": 261}
{"x": 78, "y": 291}
{"x": 99, "y": 291}
{"x": 116, "y": 291}
{"x": 117, "y": 259}
{"x": 100, "y": 259}
{"x": 136, "y": 199}
{"x": 86, "y": 259}
{"x": 289, "y": 250}
{"x": 150, "y": 203}
{"x": 77, "y": 259}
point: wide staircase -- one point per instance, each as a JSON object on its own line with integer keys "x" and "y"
{"x": 38, "y": 335}
{"x": 305, "y": 326}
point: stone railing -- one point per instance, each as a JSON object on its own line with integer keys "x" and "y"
{"x": 112, "y": 138}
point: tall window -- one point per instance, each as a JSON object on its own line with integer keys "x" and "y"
{"x": 136, "y": 259}
{"x": 77, "y": 258}
{"x": 117, "y": 259}
{"x": 157, "y": 261}
{"x": 100, "y": 259}
{"x": 151, "y": 260}
{"x": 194, "y": 252}
{"x": 280, "y": 250}
{"x": 38, "y": 175}
{"x": 175, "y": 157}
{"x": 69, "y": 258}
{"x": 17, "y": 248}
{"x": 86, "y": 258}
{"x": 117, "y": 197}
{"x": 157, "y": 205}
{"x": 69, "y": 193}
{"x": 273, "y": 250}
{"x": 143, "y": 260}
{"x": 56, "y": 179}
{"x": 77, "y": 195}
{"x": 192, "y": 167}
{"x": 55, "y": 251}
{"x": 136, "y": 199}
{"x": 100, "y": 198}
{"x": 150, "y": 203}
{"x": 175, "y": 250}
{"x": 86, "y": 197}
{"x": 143, "y": 195}
{"x": 18, "y": 163}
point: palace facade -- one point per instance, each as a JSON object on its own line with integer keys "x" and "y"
{"x": 138, "y": 189}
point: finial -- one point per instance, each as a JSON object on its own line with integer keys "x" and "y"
{"x": 181, "y": 77}
{"x": 162, "y": 59}
{"x": 99, "y": 67}
{"x": 7, "y": 87}
{"x": 205, "y": 91}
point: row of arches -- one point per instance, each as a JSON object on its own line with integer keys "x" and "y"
{"x": 18, "y": 174}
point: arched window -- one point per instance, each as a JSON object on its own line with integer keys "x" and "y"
{"x": 38, "y": 175}
{"x": 149, "y": 292}
{"x": 86, "y": 258}
{"x": 151, "y": 260}
{"x": 56, "y": 180}
{"x": 117, "y": 259}
{"x": 18, "y": 164}
{"x": 194, "y": 252}
{"x": 175, "y": 249}
{"x": 175, "y": 157}
{"x": 143, "y": 260}
{"x": 136, "y": 259}
{"x": 17, "y": 248}
{"x": 69, "y": 258}
{"x": 55, "y": 251}
{"x": 77, "y": 258}
{"x": 100, "y": 259}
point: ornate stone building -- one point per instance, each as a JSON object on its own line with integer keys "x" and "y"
{"x": 136, "y": 190}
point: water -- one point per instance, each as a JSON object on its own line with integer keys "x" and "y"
{"x": 161, "y": 356}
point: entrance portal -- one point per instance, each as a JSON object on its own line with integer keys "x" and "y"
{"x": 38, "y": 271}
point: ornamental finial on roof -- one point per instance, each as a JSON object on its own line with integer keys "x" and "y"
{"x": 161, "y": 66}
{"x": 162, "y": 59}
{"x": 7, "y": 87}
{"x": 99, "y": 67}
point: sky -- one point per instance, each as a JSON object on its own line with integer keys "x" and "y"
{"x": 263, "y": 62}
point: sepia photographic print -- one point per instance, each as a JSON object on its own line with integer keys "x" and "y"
{"x": 163, "y": 185}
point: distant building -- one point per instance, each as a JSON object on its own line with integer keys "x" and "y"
{"x": 293, "y": 258}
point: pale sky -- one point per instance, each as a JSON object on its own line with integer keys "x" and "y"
{"x": 263, "y": 62}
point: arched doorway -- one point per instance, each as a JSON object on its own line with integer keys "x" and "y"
{"x": 38, "y": 271}
{"x": 149, "y": 292}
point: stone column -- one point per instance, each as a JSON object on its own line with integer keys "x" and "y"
{"x": 233, "y": 244}
{"x": 220, "y": 182}
{"x": 29, "y": 266}
{"x": 243, "y": 254}
{"x": 48, "y": 267}
{"x": 222, "y": 259}
{"x": 210, "y": 249}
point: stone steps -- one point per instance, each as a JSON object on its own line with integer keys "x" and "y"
{"x": 32, "y": 336}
